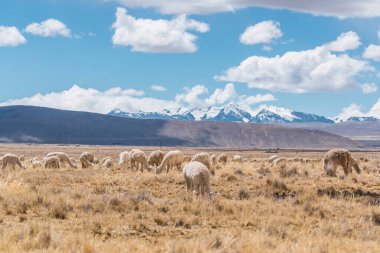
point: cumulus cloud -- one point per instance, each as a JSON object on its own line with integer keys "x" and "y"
{"x": 157, "y": 88}
{"x": 336, "y": 8}
{"x": 372, "y": 52}
{"x": 355, "y": 110}
{"x": 49, "y": 28}
{"x": 369, "y": 88}
{"x": 156, "y": 36}
{"x": 131, "y": 100}
{"x": 10, "y": 36}
{"x": 192, "y": 96}
{"x": 267, "y": 48}
{"x": 375, "y": 110}
{"x": 81, "y": 99}
{"x": 318, "y": 69}
{"x": 345, "y": 41}
{"x": 259, "y": 98}
{"x": 221, "y": 96}
{"x": 261, "y": 33}
{"x": 352, "y": 110}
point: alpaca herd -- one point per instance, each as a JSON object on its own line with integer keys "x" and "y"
{"x": 196, "y": 172}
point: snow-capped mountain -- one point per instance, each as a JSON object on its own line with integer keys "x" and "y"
{"x": 366, "y": 118}
{"x": 231, "y": 113}
{"x": 354, "y": 118}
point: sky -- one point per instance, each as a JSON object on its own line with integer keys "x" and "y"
{"x": 150, "y": 55}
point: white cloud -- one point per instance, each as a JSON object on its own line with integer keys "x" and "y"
{"x": 221, "y": 96}
{"x": 369, "y": 88}
{"x": 345, "y": 41}
{"x": 156, "y": 36}
{"x": 313, "y": 70}
{"x": 191, "y": 97}
{"x": 375, "y": 110}
{"x": 49, "y": 28}
{"x": 158, "y": 88}
{"x": 10, "y": 37}
{"x": 261, "y": 33}
{"x": 259, "y": 98}
{"x": 372, "y": 52}
{"x": 91, "y": 100}
{"x": 355, "y": 110}
{"x": 336, "y": 8}
{"x": 131, "y": 100}
{"x": 352, "y": 110}
{"x": 267, "y": 48}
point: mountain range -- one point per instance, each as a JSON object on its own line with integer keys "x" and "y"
{"x": 234, "y": 113}
{"x": 29, "y": 124}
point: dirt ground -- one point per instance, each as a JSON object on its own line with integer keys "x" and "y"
{"x": 257, "y": 207}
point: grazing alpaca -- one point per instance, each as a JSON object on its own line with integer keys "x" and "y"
{"x": 172, "y": 159}
{"x": 10, "y": 160}
{"x": 124, "y": 159}
{"x": 155, "y": 158}
{"x": 139, "y": 160}
{"x": 222, "y": 158}
{"x": 52, "y": 162}
{"x": 341, "y": 157}
{"x": 205, "y": 159}
{"x": 64, "y": 158}
{"x": 87, "y": 160}
{"x": 197, "y": 179}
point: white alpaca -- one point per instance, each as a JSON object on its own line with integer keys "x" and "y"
{"x": 214, "y": 160}
{"x": 10, "y": 160}
{"x": 172, "y": 159}
{"x": 282, "y": 161}
{"x": 222, "y": 158}
{"x": 87, "y": 159}
{"x": 22, "y": 158}
{"x": 63, "y": 158}
{"x": 342, "y": 157}
{"x": 139, "y": 160}
{"x": 124, "y": 159}
{"x": 272, "y": 158}
{"x": 52, "y": 162}
{"x": 237, "y": 159}
{"x": 107, "y": 162}
{"x": 155, "y": 158}
{"x": 203, "y": 158}
{"x": 36, "y": 164}
{"x": 197, "y": 179}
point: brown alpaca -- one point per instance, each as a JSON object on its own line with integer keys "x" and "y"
{"x": 336, "y": 157}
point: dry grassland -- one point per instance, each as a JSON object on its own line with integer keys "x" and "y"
{"x": 258, "y": 208}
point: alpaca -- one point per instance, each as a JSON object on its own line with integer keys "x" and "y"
{"x": 237, "y": 158}
{"x": 203, "y": 158}
{"x": 342, "y": 157}
{"x": 124, "y": 159}
{"x": 11, "y": 160}
{"x": 63, "y": 158}
{"x": 172, "y": 159}
{"x": 197, "y": 179}
{"x": 272, "y": 158}
{"x": 155, "y": 158}
{"x": 139, "y": 159}
{"x": 222, "y": 158}
{"x": 107, "y": 162}
{"x": 52, "y": 162}
{"x": 87, "y": 159}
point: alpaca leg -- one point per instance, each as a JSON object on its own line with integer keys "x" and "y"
{"x": 196, "y": 190}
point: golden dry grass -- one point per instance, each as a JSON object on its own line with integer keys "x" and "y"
{"x": 258, "y": 208}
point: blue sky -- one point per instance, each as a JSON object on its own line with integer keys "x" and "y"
{"x": 74, "y": 62}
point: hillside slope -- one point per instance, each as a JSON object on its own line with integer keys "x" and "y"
{"x": 24, "y": 124}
